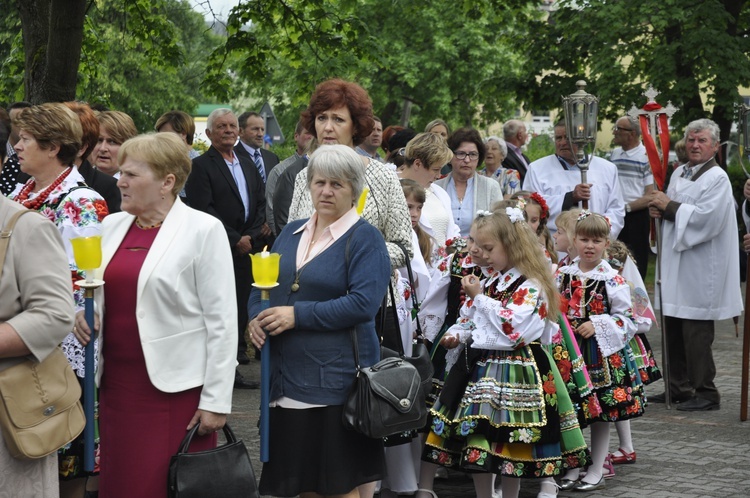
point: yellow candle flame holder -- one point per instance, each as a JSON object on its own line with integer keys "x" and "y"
{"x": 265, "y": 269}
{"x": 87, "y": 252}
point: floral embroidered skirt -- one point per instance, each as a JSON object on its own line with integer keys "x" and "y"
{"x": 616, "y": 381}
{"x": 569, "y": 361}
{"x": 506, "y": 412}
{"x": 644, "y": 359}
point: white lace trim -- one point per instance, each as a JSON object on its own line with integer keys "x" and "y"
{"x": 76, "y": 354}
{"x": 610, "y": 338}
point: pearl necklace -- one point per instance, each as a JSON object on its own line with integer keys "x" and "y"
{"x": 585, "y": 286}
{"x": 35, "y": 203}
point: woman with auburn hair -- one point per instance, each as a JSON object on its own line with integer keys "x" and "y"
{"x": 115, "y": 128}
{"x": 49, "y": 142}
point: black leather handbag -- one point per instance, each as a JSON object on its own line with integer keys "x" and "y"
{"x": 386, "y": 398}
{"x": 223, "y": 472}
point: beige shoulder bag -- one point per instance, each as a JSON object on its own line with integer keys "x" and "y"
{"x": 40, "y": 407}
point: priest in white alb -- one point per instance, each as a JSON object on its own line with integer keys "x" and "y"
{"x": 558, "y": 179}
{"x": 700, "y": 267}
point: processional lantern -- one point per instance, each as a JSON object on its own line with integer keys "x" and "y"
{"x": 581, "y": 110}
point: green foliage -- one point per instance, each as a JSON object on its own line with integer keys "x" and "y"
{"x": 540, "y": 146}
{"x": 459, "y": 64}
{"x": 621, "y": 46}
{"x": 142, "y": 57}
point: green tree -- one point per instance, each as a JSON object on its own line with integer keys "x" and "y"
{"x": 457, "y": 61}
{"x": 685, "y": 50}
{"x": 142, "y": 57}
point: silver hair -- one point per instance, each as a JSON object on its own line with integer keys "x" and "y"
{"x": 704, "y": 124}
{"x": 511, "y": 127}
{"x": 500, "y": 142}
{"x": 217, "y": 113}
{"x": 633, "y": 124}
{"x": 338, "y": 162}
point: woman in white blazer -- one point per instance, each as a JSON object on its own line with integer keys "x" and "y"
{"x": 168, "y": 321}
{"x": 468, "y": 191}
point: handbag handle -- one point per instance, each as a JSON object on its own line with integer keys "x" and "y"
{"x": 415, "y": 304}
{"x": 228, "y": 434}
{"x": 6, "y": 233}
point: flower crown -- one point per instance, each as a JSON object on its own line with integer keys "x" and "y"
{"x": 586, "y": 213}
{"x": 456, "y": 243}
{"x": 536, "y": 197}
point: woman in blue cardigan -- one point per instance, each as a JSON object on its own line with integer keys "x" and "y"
{"x": 334, "y": 270}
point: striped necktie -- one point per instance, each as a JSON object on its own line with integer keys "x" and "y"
{"x": 259, "y": 165}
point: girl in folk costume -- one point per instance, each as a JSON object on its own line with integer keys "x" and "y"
{"x": 620, "y": 259}
{"x": 402, "y": 450}
{"x": 564, "y": 347}
{"x": 563, "y": 237}
{"x": 504, "y": 409}
{"x": 537, "y": 212}
{"x": 596, "y": 301}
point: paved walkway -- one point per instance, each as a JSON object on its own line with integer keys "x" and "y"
{"x": 679, "y": 454}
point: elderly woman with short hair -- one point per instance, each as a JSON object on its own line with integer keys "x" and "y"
{"x": 169, "y": 321}
{"x": 496, "y": 150}
{"x": 50, "y": 139}
{"x": 334, "y": 269}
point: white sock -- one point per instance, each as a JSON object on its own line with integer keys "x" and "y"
{"x": 624, "y": 435}
{"x": 548, "y": 485}
{"x": 599, "y": 451}
{"x": 511, "y": 487}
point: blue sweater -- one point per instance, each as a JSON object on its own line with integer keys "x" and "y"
{"x": 314, "y": 362}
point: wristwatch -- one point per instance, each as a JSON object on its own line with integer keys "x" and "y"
{"x": 627, "y": 208}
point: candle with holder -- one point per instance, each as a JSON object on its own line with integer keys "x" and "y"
{"x": 87, "y": 252}
{"x": 265, "y": 267}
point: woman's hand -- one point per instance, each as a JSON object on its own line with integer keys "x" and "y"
{"x": 449, "y": 341}
{"x": 273, "y": 320}
{"x": 81, "y": 328}
{"x": 471, "y": 286}
{"x": 585, "y": 330}
{"x": 210, "y": 421}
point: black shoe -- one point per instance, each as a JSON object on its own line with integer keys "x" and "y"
{"x": 698, "y": 405}
{"x": 241, "y": 383}
{"x": 243, "y": 358}
{"x": 661, "y": 398}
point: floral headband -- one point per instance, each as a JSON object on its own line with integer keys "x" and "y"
{"x": 586, "y": 213}
{"x": 614, "y": 262}
{"x": 536, "y": 197}
{"x": 456, "y": 243}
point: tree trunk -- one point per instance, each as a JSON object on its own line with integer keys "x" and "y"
{"x": 52, "y": 37}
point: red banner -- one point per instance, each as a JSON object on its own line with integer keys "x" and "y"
{"x": 658, "y": 167}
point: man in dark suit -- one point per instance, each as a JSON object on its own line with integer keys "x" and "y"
{"x": 229, "y": 187}
{"x": 250, "y": 146}
{"x": 514, "y": 133}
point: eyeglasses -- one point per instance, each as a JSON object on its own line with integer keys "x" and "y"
{"x": 617, "y": 128}
{"x": 461, "y": 155}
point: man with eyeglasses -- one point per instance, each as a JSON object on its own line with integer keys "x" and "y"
{"x": 636, "y": 183}
{"x": 558, "y": 178}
